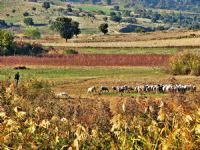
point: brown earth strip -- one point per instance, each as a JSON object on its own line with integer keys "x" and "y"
{"x": 87, "y": 60}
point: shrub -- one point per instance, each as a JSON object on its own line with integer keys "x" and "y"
{"x": 6, "y": 42}
{"x": 185, "y": 63}
{"x": 70, "y": 51}
{"x": 13, "y": 10}
{"x": 3, "y": 24}
{"x": 116, "y": 8}
{"x": 28, "y": 21}
{"x": 46, "y": 5}
{"x": 116, "y": 18}
{"x": 25, "y": 14}
{"x": 105, "y": 19}
{"x": 29, "y": 49}
{"x": 101, "y": 12}
{"x": 34, "y": 8}
{"x": 33, "y": 33}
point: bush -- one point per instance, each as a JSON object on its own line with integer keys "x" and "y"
{"x": 116, "y": 18}
{"x": 25, "y": 14}
{"x": 34, "y": 8}
{"x": 29, "y": 49}
{"x": 3, "y": 24}
{"x": 105, "y": 19}
{"x": 46, "y": 5}
{"x": 70, "y": 51}
{"x": 116, "y": 8}
{"x": 101, "y": 12}
{"x": 129, "y": 20}
{"x": 185, "y": 64}
{"x": 6, "y": 42}
{"x": 13, "y": 10}
{"x": 28, "y": 21}
{"x": 33, "y": 33}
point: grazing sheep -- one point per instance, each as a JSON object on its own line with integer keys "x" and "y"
{"x": 155, "y": 88}
{"x": 91, "y": 89}
{"x": 103, "y": 89}
{"x": 62, "y": 95}
{"x": 114, "y": 88}
{"x": 139, "y": 89}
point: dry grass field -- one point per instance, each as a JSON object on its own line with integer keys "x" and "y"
{"x": 185, "y": 42}
{"x": 180, "y": 39}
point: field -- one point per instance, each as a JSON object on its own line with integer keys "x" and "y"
{"x": 128, "y": 51}
{"x": 88, "y": 60}
{"x": 187, "y": 42}
{"x": 83, "y": 120}
{"x": 51, "y": 107}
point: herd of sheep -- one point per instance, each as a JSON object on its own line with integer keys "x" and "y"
{"x": 157, "y": 88}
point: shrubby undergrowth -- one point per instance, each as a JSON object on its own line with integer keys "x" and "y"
{"x": 9, "y": 48}
{"x": 185, "y": 64}
{"x": 31, "y": 117}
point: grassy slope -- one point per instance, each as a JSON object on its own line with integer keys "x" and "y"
{"x": 41, "y": 16}
{"x": 96, "y": 8}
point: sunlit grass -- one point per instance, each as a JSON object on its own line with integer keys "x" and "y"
{"x": 84, "y": 72}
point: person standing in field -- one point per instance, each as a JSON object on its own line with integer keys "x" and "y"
{"x": 17, "y": 76}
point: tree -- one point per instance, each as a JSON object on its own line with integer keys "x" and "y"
{"x": 112, "y": 13}
{"x": 28, "y": 21}
{"x": 103, "y": 28}
{"x": 33, "y": 33}
{"x": 76, "y": 28}
{"x": 116, "y": 18}
{"x": 116, "y": 8}
{"x": 108, "y": 2}
{"x": 66, "y": 27}
{"x": 3, "y": 24}
{"x": 6, "y": 42}
{"x": 46, "y": 5}
{"x": 69, "y": 8}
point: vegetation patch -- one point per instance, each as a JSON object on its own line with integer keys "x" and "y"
{"x": 185, "y": 64}
{"x": 70, "y": 51}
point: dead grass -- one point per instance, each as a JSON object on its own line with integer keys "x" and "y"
{"x": 186, "y": 42}
{"x": 156, "y": 39}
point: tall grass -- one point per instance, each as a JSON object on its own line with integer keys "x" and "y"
{"x": 185, "y": 63}
{"x": 32, "y": 118}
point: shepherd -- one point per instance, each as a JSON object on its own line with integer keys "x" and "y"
{"x": 17, "y": 76}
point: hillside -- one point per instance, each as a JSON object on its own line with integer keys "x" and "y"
{"x": 164, "y": 4}
{"x": 122, "y": 18}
